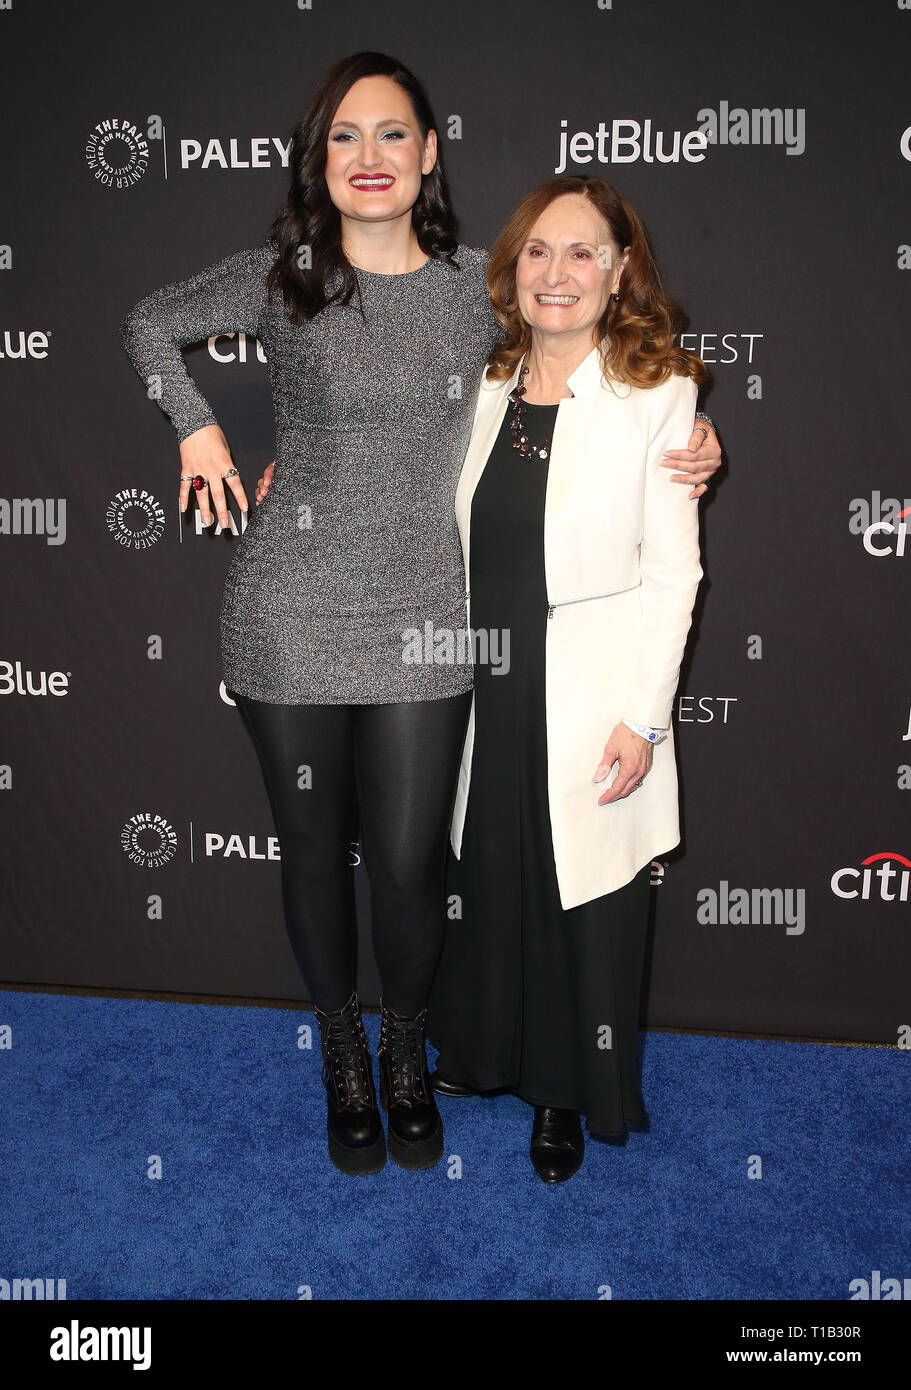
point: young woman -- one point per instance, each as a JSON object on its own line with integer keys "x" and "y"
{"x": 376, "y": 324}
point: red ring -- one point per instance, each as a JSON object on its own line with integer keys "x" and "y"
{"x": 199, "y": 482}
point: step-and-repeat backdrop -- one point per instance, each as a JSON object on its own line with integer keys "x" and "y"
{"x": 768, "y": 148}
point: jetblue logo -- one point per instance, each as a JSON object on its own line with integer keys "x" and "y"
{"x": 19, "y": 343}
{"x": 626, "y": 141}
{"x": 18, "y": 680}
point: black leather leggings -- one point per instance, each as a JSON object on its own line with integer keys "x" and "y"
{"x": 384, "y": 774}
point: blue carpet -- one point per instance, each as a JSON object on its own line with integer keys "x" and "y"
{"x": 249, "y": 1206}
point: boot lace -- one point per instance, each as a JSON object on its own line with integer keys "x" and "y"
{"x": 345, "y": 1057}
{"x": 402, "y": 1047}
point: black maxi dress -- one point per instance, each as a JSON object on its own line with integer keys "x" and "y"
{"x": 529, "y": 996}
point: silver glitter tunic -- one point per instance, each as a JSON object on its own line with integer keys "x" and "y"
{"x": 355, "y": 548}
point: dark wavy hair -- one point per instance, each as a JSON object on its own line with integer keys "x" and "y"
{"x": 308, "y": 217}
{"x": 636, "y": 333}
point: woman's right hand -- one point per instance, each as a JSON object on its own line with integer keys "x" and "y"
{"x": 206, "y": 451}
{"x": 265, "y": 482}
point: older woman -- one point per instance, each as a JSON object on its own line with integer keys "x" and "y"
{"x": 578, "y": 546}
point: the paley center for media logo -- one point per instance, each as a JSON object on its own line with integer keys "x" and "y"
{"x": 118, "y": 150}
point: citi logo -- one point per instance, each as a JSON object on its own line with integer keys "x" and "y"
{"x": 16, "y": 681}
{"x": 755, "y": 125}
{"x": 882, "y": 522}
{"x": 257, "y": 152}
{"x": 238, "y": 353}
{"x": 18, "y": 343}
{"x": 34, "y": 516}
{"x": 756, "y": 907}
{"x": 885, "y": 538}
{"x": 889, "y": 882}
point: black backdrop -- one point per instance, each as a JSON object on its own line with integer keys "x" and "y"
{"x": 786, "y": 238}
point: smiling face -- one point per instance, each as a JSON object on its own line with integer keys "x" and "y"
{"x": 376, "y": 153}
{"x": 567, "y": 269}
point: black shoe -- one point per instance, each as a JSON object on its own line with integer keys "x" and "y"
{"x": 557, "y": 1146}
{"x": 356, "y": 1142}
{"x": 445, "y": 1087}
{"x": 415, "y": 1127}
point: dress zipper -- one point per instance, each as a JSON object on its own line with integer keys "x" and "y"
{"x": 585, "y": 599}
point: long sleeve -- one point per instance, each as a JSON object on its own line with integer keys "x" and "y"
{"x": 227, "y": 297}
{"x": 494, "y": 326}
{"x": 669, "y": 562}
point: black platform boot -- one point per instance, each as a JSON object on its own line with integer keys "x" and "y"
{"x": 356, "y": 1142}
{"x": 557, "y": 1146}
{"x": 415, "y": 1127}
{"x": 444, "y": 1087}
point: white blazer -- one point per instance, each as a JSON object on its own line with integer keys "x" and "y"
{"x": 621, "y": 557}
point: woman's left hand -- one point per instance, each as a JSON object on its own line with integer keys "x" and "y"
{"x": 635, "y": 756}
{"x": 699, "y": 460}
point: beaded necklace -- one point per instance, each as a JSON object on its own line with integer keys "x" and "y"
{"x": 517, "y": 425}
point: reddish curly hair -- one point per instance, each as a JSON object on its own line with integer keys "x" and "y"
{"x": 636, "y": 333}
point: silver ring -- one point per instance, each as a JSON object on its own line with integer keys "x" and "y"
{"x": 705, "y": 433}
{"x": 641, "y": 780}
{"x": 232, "y": 472}
{"x": 187, "y": 477}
